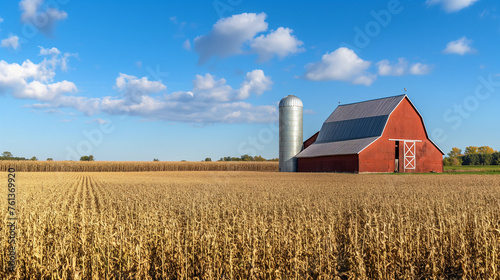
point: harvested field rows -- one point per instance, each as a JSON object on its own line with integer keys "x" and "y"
{"x": 254, "y": 225}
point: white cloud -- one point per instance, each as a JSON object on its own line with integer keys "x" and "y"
{"x": 211, "y": 100}
{"x": 385, "y": 68}
{"x": 279, "y": 42}
{"x": 460, "y": 46}
{"x": 10, "y": 42}
{"x": 44, "y": 18}
{"x": 255, "y": 82}
{"x": 57, "y": 58}
{"x": 237, "y": 35}
{"x": 228, "y": 35}
{"x": 451, "y": 6}
{"x": 51, "y": 51}
{"x": 341, "y": 65}
{"x": 1, "y": 19}
{"x": 98, "y": 120}
{"x": 135, "y": 90}
{"x": 420, "y": 69}
{"x": 402, "y": 67}
{"x": 207, "y": 88}
{"x": 186, "y": 45}
{"x": 35, "y": 81}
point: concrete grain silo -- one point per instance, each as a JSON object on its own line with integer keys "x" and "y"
{"x": 291, "y": 135}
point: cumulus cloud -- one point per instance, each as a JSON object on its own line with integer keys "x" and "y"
{"x": 420, "y": 69}
{"x": 35, "y": 81}
{"x": 451, "y": 6}
{"x": 135, "y": 90}
{"x": 341, "y": 65}
{"x": 255, "y": 82}
{"x": 344, "y": 64}
{"x": 44, "y": 18}
{"x": 10, "y": 42}
{"x": 460, "y": 47}
{"x": 211, "y": 99}
{"x": 228, "y": 35}
{"x": 385, "y": 68}
{"x": 237, "y": 35}
{"x": 402, "y": 67}
{"x": 280, "y": 42}
{"x": 57, "y": 58}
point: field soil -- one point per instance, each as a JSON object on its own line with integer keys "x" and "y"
{"x": 253, "y": 225}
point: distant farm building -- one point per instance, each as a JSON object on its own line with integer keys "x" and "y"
{"x": 381, "y": 135}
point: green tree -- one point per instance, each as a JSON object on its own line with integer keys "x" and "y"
{"x": 33, "y": 158}
{"x": 471, "y": 150}
{"x": 471, "y": 159}
{"x": 485, "y": 159}
{"x": 50, "y": 159}
{"x": 87, "y": 158}
{"x": 485, "y": 150}
{"x": 155, "y": 159}
{"x": 246, "y": 158}
{"x": 7, "y": 154}
{"x": 455, "y": 152}
{"x": 208, "y": 159}
{"x": 495, "y": 158}
{"x": 259, "y": 158}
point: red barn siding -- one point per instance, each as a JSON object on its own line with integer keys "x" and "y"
{"x": 340, "y": 163}
{"x": 403, "y": 123}
{"x": 311, "y": 140}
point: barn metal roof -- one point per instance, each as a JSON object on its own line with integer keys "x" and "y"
{"x": 366, "y": 109}
{"x": 352, "y": 127}
{"x": 347, "y": 147}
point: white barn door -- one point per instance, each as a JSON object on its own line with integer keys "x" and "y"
{"x": 410, "y": 161}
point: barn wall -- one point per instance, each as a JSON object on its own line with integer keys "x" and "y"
{"x": 341, "y": 163}
{"x": 404, "y": 123}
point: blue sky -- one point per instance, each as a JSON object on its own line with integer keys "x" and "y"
{"x": 174, "y": 80}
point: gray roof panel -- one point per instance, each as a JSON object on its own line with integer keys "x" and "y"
{"x": 348, "y": 147}
{"x": 352, "y": 129}
{"x": 366, "y": 109}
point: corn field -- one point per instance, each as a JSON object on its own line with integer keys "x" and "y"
{"x": 135, "y": 166}
{"x": 254, "y": 225}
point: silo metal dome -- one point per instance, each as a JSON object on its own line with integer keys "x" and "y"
{"x": 291, "y": 100}
{"x": 291, "y": 134}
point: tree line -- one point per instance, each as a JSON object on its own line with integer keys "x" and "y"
{"x": 472, "y": 155}
{"x": 243, "y": 158}
{"x": 8, "y": 156}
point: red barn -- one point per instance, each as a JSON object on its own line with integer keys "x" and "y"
{"x": 381, "y": 135}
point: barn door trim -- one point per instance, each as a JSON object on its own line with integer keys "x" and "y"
{"x": 405, "y": 140}
{"x": 410, "y": 161}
